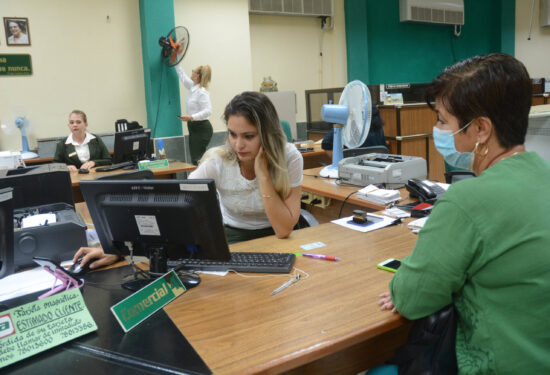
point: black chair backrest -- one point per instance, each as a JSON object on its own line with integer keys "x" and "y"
{"x": 454, "y": 176}
{"x": 306, "y": 220}
{"x": 123, "y": 125}
{"x": 145, "y": 174}
{"x": 349, "y": 152}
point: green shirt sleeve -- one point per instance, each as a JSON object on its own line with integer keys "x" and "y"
{"x": 439, "y": 264}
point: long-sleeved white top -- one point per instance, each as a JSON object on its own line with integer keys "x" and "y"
{"x": 198, "y": 100}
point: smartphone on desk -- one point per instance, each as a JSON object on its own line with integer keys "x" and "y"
{"x": 389, "y": 265}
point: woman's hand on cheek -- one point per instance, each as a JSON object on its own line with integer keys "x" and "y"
{"x": 260, "y": 164}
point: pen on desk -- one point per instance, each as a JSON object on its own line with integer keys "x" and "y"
{"x": 285, "y": 285}
{"x": 320, "y": 256}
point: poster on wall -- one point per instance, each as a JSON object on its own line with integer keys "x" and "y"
{"x": 17, "y": 31}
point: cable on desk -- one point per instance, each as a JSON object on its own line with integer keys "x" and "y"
{"x": 294, "y": 274}
{"x": 344, "y": 202}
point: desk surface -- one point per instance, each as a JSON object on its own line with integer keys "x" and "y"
{"x": 328, "y": 187}
{"x": 173, "y": 167}
{"x": 327, "y": 323}
{"x": 237, "y": 327}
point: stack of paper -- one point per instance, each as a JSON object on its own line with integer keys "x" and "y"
{"x": 380, "y": 196}
{"x": 417, "y": 224}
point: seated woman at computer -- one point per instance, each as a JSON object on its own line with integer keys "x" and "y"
{"x": 258, "y": 174}
{"x": 81, "y": 150}
{"x": 485, "y": 246}
{"x": 199, "y": 108}
{"x": 374, "y": 138}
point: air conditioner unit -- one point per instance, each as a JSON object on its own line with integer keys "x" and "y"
{"x": 450, "y": 12}
{"x": 311, "y": 8}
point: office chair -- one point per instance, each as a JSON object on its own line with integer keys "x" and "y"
{"x": 306, "y": 220}
{"x": 145, "y": 174}
{"x": 123, "y": 125}
{"x": 457, "y": 175}
{"x": 286, "y": 129}
{"x": 349, "y": 152}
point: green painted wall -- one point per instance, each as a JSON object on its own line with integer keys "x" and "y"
{"x": 380, "y": 49}
{"x": 162, "y": 96}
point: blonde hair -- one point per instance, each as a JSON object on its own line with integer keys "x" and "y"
{"x": 205, "y": 72}
{"x": 259, "y": 111}
{"x": 80, "y": 113}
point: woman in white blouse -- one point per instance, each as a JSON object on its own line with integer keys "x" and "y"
{"x": 258, "y": 174}
{"x": 199, "y": 108}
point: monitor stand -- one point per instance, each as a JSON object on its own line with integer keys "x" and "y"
{"x": 158, "y": 266}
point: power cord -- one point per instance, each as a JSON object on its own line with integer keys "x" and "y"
{"x": 344, "y": 202}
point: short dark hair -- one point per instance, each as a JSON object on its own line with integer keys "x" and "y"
{"x": 496, "y": 86}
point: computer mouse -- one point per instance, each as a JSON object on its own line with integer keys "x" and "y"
{"x": 77, "y": 271}
{"x": 189, "y": 279}
{"x": 83, "y": 171}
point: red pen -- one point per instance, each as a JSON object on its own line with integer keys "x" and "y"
{"x": 321, "y": 256}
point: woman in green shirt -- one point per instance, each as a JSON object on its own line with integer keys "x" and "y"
{"x": 81, "y": 149}
{"x": 486, "y": 245}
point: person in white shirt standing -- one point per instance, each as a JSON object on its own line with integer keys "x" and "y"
{"x": 199, "y": 108}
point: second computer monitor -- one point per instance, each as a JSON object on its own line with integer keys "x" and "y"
{"x": 131, "y": 145}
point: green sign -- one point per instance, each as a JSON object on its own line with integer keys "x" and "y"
{"x": 145, "y": 164}
{"x": 15, "y": 65}
{"x": 36, "y": 326}
{"x": 146, "y": 301}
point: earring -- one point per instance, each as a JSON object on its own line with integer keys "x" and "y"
{"x": 480, "y": 153}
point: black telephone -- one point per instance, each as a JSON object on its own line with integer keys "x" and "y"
{"x": 426, "y": 190}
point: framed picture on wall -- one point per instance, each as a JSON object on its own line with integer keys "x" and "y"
{"x": 17, "y": 31}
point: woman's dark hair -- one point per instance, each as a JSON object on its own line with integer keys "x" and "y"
{"x": 496, "y": 86}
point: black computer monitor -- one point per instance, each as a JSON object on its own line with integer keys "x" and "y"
{"x": 131, "y": 145}
{"x": 6, "y": 232}
{"x": 160, "y": 219}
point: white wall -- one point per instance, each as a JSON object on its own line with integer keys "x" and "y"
{"x": 534, "y": 53}
{"x": 80, "y": 59}
{"x": 219, "y": 37}
{"x": 288, "y": 48}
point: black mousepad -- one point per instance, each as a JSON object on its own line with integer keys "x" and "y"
{"x": 154, "y": 346}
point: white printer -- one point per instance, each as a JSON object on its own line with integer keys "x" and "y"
{"x": 392, "y": 170}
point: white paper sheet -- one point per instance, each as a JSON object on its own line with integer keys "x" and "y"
{"x": 380, "y": 221}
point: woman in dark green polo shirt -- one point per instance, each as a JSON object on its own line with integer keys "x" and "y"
{"x": 81, "y": 149}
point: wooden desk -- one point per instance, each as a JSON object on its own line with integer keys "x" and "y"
{"x": 315, "y": 158}
{"x": 167, "y": 173}
{"x": 327, "y": 187}
{"x": 327, "y": 323}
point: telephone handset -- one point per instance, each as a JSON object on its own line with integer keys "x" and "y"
{"x": 425, "y": 190}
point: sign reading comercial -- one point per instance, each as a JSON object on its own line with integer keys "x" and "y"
{"x": 15, "y": 65}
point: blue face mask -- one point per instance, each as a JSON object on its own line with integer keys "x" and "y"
{"x": 444, "y": 141}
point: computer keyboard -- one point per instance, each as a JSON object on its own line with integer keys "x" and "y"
{"x": 114, "y": 167}
{"x": 240, "y": 262}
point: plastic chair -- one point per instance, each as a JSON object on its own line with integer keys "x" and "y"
{"x": 145, "y": 174}
{"x": 348, "y": 152}
{"x": 286, "y": 130}
{"x": 306, "y": 220}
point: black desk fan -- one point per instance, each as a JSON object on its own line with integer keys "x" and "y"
{"x": 174, "y": 45}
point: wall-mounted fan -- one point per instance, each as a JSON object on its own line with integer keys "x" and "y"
{"x": 351, "y": 119}
{"x": 174, "y": 45}
{"x": 22, "y": 123}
